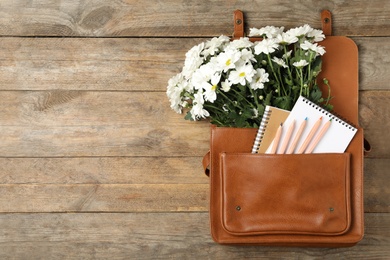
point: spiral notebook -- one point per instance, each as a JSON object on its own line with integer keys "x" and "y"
{"x": 271, "y": 120}
{"x": 337, "y": 137}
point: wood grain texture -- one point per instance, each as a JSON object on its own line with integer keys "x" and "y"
{"x": 156, "y": 235}
{"x": 76, "y": 123}
{"x": 373, "y": 64}
{"x": 374, "y": 114}
{"x": 93, "y": 162}
{"x": 102, "y": 170}
{"x": 183, "y": 18}
{"x": 104, "y": 198}
{"x": 138, "y": 64}
{"x": 90, "y": 63}
{"x": 91, "y": 185}
{"x": 376, "y": 194}
{"x": 82, "y": 123}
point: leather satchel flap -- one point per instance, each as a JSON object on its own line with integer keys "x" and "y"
{"x": 285, "y": 194}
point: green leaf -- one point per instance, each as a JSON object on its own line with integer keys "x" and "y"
{"x": 188, "y": 116}
{"x": 261, "y": 109}
{"x": 268, "y": 98}
{"x": 315, "y": 94}
{"x": 288, "y": 81}
{"x": 283, "y": 102}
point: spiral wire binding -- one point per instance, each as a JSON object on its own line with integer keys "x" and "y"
{"x": 332, "y": 116}
{"x": 260, "y": 132}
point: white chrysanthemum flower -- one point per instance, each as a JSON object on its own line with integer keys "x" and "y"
{"x": 175, "y": 87}
{"x": 255, "y": 113}
{"x": 239, "y": 44}
{"x": 301, "y": 31}
{"x": 300, "y": 64}
{"x": 280, "y": 62}
{"x": 242, "y": 74}
{"x": 259, "y": 79}
{"x": 287, "y": 55}
{"x": 225, "y": 86}
{"x": 316, "y": 35}
{"x": 253, "y": 32}
{"x": 193, "y": 60}
{"x": 213, "y": 45}
{"x": 319, "y": 50}
{"x": 247, "y": 56}
{"x": 210, "y": 93}
{"x": 266, "y": 46}
{"x": 201, "y": 76}
{"x": 174, "y": 81}
{"x": 268, "y": 31}
{"x": 227, "y": 60}
{"x": 197, "y": 110}
{"x": 286, "y": 39}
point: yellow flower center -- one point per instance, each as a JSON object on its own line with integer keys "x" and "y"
{"x": 228, "y": 62}
{"x": 214, "y": 87}
{"x": 242, "y": 74}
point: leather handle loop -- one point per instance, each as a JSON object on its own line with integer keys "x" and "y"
{"x": 367, "y": 147}
{"x": 326, "y": 21}
{"x": 206, "y": 163}
{"x": 238, "y": 16}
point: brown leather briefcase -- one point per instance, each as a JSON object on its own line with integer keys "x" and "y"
{"x": 298, "y": 199}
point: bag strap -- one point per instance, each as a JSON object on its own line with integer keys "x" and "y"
{"x": 239, "y": 29}
{"x": 367, "y": 147}
{"x": 206, "y": 163}
{"x": 326, "y": 22}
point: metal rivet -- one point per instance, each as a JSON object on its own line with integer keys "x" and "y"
{"x": 238, "y": 208}
{"x": 238, "y": 21}
{"x": 326, "y": 20}
{"x": 331, "y": 209}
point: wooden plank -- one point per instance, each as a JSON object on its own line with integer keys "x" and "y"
{"x": 175, "y": 18}
{"x": 374, "y": 114}
{"x": 376, "y": 190}
{"x": 104, "y": 198}
{"x": 373, "y": 65}
{"x": 52, "y": 176}
{"x": 145, "y": 236}
{"x": 103, "y": 170}
{"x": 140, "y": 64}
{"x": 136, "y": 193}
{"x": 77, "y": 123}
{"x": 90, "y": 63}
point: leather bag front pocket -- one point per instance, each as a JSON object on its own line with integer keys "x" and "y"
{"x": 285, "y": 194}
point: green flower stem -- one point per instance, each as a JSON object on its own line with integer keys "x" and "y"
{"x": 327, "y": 84}
{"x": 217, "y": 122}
{"x": 234, "y": 104}
{"x": 238, "y": 93}
{"x": 254, "y": 97}
{"x": 309, "y": 66}
{"x": 281, "y": 80}
{"x": 300, "y": 74}
{"x": 288, "y": 63}
{"x": 273, "y": 71}
{"x": 213, "y": 107}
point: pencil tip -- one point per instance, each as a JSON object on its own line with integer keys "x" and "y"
{"x": 305, "y": 118}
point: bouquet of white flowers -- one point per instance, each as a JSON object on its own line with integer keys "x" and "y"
{"x": 231, "y": 82}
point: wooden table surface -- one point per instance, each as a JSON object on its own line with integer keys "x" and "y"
{"x": 93, "y": 162}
